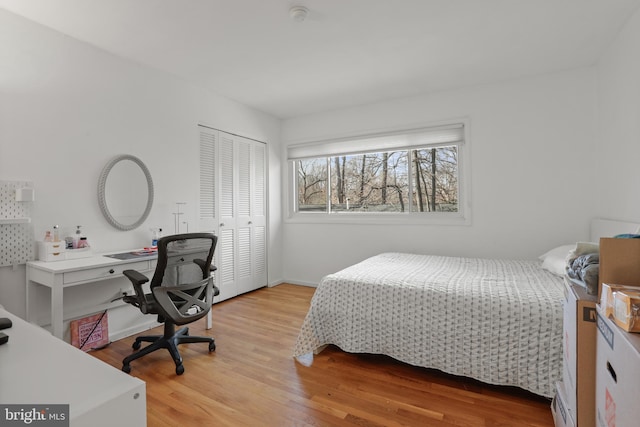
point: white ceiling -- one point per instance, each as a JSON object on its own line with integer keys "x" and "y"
{"x": 347, "y": 52}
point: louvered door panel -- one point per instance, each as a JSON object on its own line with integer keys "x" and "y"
{"x": 208, "y": 166}
{"x": 244, "y": 253}
{"x": 260, "y": 254}
{"x": 258, "y": 218}
{"x": 259, "y": 181}
{"x": 226, "y": 264}
{"x": 244, "y": 178}
{"x": 227, "y": 216}
{"x": 227, "y": 187}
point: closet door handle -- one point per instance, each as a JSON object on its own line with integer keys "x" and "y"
{"x": 222, "y": 224}
{"x": 250, "y": 222}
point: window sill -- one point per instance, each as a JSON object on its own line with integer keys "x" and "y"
{"x": 379, "y": 219}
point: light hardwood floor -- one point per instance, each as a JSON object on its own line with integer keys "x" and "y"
{"x": 252, "y": 380}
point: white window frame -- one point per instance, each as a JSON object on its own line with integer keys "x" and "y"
{"x": 379, "y": 142}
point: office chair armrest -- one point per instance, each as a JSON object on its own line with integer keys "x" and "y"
{"x": 201, "y": 263}
{"x": 216, "y": 290}
{"x": 137, "y": 280}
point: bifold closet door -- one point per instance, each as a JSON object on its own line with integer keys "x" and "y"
{"x": 236, "y": 173}
{"x": 227, "y": 217}
{"x": 251, "y": 218}
{"x": 216, "y": 175}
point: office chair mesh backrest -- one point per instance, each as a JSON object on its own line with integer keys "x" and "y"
{"x": 180, "y": 283}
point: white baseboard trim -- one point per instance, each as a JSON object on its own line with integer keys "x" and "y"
{"x": 301, "y": 283}
{"x": 127, "y": 332}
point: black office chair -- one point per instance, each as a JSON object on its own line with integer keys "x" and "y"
{"x": 182, "y": 292}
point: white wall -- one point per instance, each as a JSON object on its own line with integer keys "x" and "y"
{"x": 618, "y": 171}
{"x": 532, "y": 144}
{"x": 66, "y": 108}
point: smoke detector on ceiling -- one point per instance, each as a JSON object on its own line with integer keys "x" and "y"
{"x": 298, "y": 13}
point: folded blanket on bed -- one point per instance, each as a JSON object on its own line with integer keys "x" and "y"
{"x": 584, "y": 270}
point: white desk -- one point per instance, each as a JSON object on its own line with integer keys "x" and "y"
{"x": 38, "y": 369}
{"x": 58, "y": 275}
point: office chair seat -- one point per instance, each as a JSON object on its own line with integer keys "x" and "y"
{"x": 181, "y": 292}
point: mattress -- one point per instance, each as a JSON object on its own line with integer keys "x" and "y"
{"x": 497, "y": 321}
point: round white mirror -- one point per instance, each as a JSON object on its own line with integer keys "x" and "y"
{"x": 125, "y": 192}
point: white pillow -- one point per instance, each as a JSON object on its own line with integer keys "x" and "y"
{"x": 555, "y": 260}
{"x": 583, "y": 248}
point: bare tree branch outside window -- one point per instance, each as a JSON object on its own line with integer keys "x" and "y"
{"x": 379, "y": 182}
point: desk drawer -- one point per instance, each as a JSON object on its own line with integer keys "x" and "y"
{"x": 54, "y": 256}
{"x": 103, "y": 272}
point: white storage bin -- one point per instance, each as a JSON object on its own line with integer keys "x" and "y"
{"x": 52, "y": 251}
{"x": 559, "y": 411}
{"x": 79, "y": 253}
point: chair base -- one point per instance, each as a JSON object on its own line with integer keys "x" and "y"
{"x": 170, "y": 340}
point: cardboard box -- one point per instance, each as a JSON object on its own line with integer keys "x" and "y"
{"x": 617, "y": 375}
{"x": 561, "y": 415}
{"x": 606, "y": 297}
{"x": 579, "y": 354}
{"x": 626, "y": 309}
{"x": 90, "y": 332}
{"x": 619, "y": 262}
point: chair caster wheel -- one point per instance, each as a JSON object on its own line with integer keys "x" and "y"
{"x": 126, "y": 369}
{"x": 136, "y": 345}
{"x": 179, "y": 369}
{"x": 212, "y": 347}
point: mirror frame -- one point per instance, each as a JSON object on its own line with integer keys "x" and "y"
{"x": 102, "y": 198}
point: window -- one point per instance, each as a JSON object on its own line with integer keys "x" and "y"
{"x": 409, "y": 173}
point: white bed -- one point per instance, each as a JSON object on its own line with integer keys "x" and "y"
{"x": 498, "y": 321}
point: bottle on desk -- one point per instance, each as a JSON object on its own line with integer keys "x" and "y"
{"x": 83, "y": 243}
{"x": 157, "y": 234}
{"x": 77, "y": 237}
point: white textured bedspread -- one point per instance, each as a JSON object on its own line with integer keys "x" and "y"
{"x": 498, "y": 321}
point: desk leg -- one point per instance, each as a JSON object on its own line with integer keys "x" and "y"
{"x": 29, "y": 313}
{"x": 56, "y": 311}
